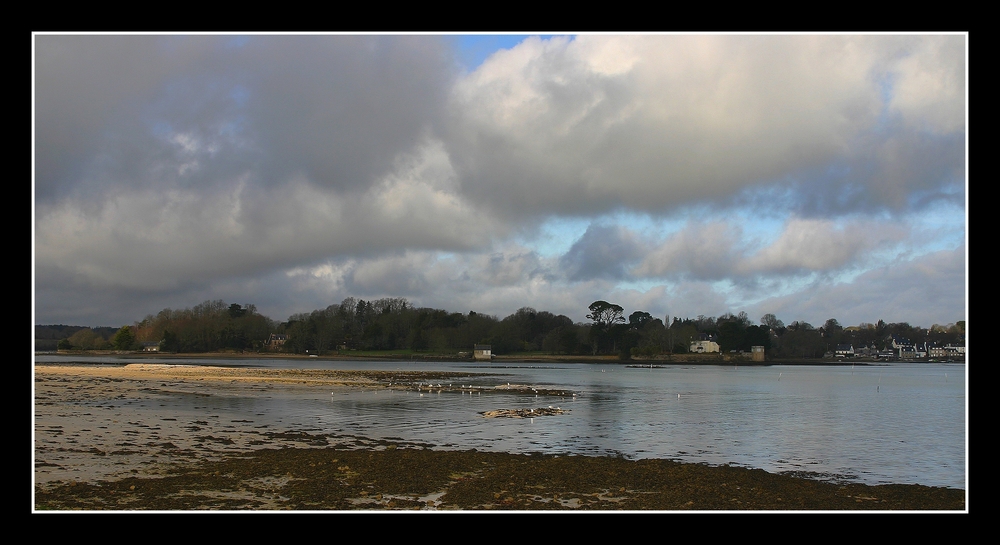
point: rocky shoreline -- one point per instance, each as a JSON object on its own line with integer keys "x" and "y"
{"x": 390, "y": 477}
{"x": 92, "y": 454}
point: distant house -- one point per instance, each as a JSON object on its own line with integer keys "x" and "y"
{"x": 866, "y": 351}
{"x": 482, "y": 352}
{"x": 701, "y": 347}
{"x": 899, "y": 342}
{"x": 757, "y": 353}
{"x": 844, "y": 350}
{"x": 276, "y": 341}
{"x": 150, "y": 346}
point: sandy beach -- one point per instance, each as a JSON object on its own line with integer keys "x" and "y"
{"x": 93, "y": 453}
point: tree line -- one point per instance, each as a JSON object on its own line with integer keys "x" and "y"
{"x": 393, "y": 324}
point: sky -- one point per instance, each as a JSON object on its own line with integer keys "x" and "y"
{"x": 810, "y": 176}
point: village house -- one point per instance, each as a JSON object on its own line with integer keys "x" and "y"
{"x": 955, "y": 349}
{"x": 701, "y": 347}
{"x": 937, "y": 351}
{"x": 482, "y": 352}
{"x": 276, "y": 341}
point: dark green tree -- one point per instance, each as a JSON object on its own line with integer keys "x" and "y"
{"x": 236, "y": 311}
{"x": 758, "y": 335}
{"x": 732, "y": 335}
{"x": 638, "y": 319}
{"x": 169, "y": 342}
{"x": 605, "y": 316}
{"x": 124, "y": 339}
{"x": 771, "y": 321}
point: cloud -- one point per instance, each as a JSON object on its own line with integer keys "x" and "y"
{"x": 602, "y": 252}
{"x": 929, "y": 85}
{"x": 507, "y": 268}
{"x": 700, "y": 250}
{"x": 334, "y": 110}
{"x": 807, "y": 245}
{"x": 154, "y": 239}
{"x": 721, "y": 250}
{"x": 920, "y": 290}
{"x": 651, "y": 123}
{"x": 294, "y": 171}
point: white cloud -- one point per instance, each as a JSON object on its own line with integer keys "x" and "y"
{"x": 314, "y": 168}
{"x": 921, "y": 290}
{"x": 821, "y": 245}
{"x": 549, "y": 125}
{"x": 700, "y": 250}
{"x": 929, "y": 85}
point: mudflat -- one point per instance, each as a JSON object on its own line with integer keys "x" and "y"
{"x": 92, "y": 453}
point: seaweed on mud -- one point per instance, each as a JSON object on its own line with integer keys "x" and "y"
{"x": 414, "y": 478}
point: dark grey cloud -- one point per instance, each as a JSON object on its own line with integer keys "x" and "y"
{"x": 130, "y": 111}
{"x": 602, "y": 252}
{"x": 220, "y": 156}
{"x": 339, "y": 109}
{"x": 305, "y": 169}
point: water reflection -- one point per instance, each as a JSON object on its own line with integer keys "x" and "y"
{"x": 899, "y": 423}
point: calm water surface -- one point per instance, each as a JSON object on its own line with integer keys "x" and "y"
{"x": 900, "y": 423}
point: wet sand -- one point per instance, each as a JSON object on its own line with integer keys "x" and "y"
{"x": 93, "y": 452}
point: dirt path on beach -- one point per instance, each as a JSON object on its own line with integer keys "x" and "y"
{"x": 96, "y": 422}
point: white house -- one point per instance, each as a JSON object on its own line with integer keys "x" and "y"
{"x": 844, "y": 350}
{"x": 701, "y": 347}
{"x": 482, "y": 352}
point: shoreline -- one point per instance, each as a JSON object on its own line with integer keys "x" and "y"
{"x": 91, "y": 452}
{"x": 677, "y": 359}
{"x": 395, "y": 477}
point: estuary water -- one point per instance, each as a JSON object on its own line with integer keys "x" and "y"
{"x": 874, "y": 424}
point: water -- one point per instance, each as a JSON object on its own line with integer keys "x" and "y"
{"x": 900, "y": 423}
